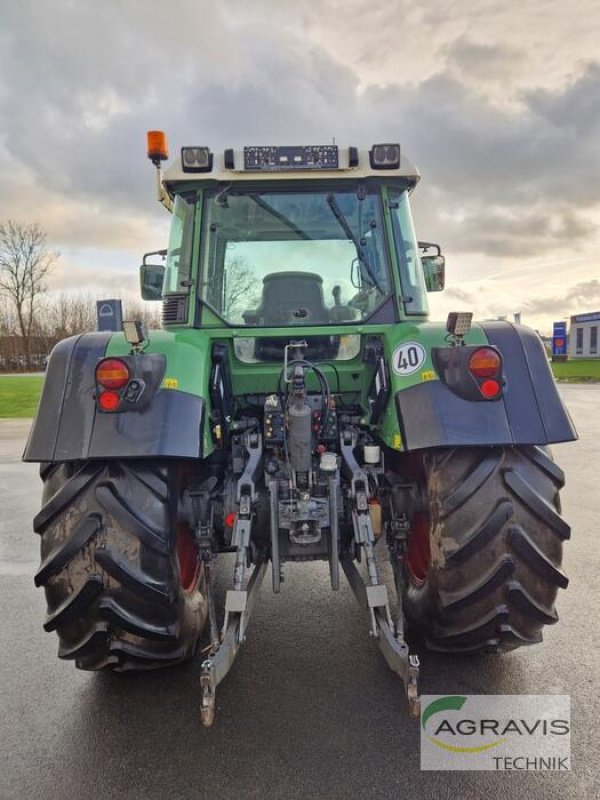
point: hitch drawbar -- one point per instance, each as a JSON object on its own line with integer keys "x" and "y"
{"x": 371, "y": 593}
{"x": 238, "y": 608}
{"x": 389, "y": 638}
{"x": 239, "y": 602}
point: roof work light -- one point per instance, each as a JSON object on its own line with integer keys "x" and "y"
{"x": 196, "y": 159}
{"x": 385, "y": 156}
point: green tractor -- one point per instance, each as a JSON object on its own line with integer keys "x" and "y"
{"x": 296, "y": 405}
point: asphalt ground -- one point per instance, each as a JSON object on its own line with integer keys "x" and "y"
{"x": 309, "y": 709}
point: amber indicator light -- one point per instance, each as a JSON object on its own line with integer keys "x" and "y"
{"x": 112, "y": 373}
{"x": 485, "y": 363}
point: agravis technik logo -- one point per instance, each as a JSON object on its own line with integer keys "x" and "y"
{"x": 495, "y": 732}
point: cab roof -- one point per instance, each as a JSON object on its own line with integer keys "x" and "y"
{"x": 287, "y": 163}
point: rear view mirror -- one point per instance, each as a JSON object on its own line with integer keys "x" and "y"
{"x": 434, "y": 267}
{"x": 152, "y": 277}
{"x": 151, "y": 281}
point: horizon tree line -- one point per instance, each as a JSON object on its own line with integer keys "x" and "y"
{"x": 33, "y": 318}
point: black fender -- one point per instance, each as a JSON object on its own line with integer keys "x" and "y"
{"x": 530, "y": 410}
{"x": 70, "y": 427}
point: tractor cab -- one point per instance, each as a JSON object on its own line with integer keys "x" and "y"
{"x": 290, "y": 236}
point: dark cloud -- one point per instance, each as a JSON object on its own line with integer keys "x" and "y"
{"x": 520, "y": 232}
{"x": 582, "y": 295}
{"x": 454, "y": 293}
{"x": 81, "y": 83}
{"x": 576, "y": 109}
{"x": 485, "y": 61}
{"x": 479, "y": 153}
{"x": 500, "y": 182}
{"x": 585, "y": 290}
{"x": 82, "y": 99}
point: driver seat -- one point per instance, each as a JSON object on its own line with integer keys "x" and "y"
{"x": 291, "y": 297}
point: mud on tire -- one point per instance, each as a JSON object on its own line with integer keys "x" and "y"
{"x": 483, "y": 567}
{"x": 122, "y": 581}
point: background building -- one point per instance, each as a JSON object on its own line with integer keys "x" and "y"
{"x": 583, "y": 335}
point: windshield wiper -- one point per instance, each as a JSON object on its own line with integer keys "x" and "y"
{"x": 339, "y": 215}
{"x": 222, "y": 200}
{"x": 279, "y": 216}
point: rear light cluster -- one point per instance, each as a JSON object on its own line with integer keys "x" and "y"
{"x": 112, "y": 377}
{"x": 485, "y": 365}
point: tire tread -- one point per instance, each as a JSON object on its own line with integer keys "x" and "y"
{"x": 109, "y": 566}
{"x": 496, "y": 539}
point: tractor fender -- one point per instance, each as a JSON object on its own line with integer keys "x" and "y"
{"x": 530, "y": 410}
{"x": 69, "y": 426}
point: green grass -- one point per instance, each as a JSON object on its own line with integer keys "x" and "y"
{"x": 584, "y": 370}
{"x": 19, "y": 395}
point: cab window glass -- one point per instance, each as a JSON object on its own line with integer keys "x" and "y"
{"x": 179, "y": 253}
{"x": 280, "y": 257}
{"x": 414, "y": 292}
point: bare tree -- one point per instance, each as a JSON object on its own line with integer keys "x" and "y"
{"x": 241, "y": 292}
{"x": 25, "y": 263}
{"x": 7, "y": 329}
{"x": 148, "y": 313}
{"x": 71, "y": 313}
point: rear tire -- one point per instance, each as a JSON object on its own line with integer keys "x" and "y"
{"x": 123, "y": 583}
{"x": 482, "y": 568}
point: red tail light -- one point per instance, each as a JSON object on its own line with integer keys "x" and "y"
{"x": 485, "y": 363}
{"x": 490, "y": 389}
{"x": 112, "y": 373}
{"x": 109, "y": 401}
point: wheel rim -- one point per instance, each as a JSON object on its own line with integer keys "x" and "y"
{"x": 187, "y": 555}
{"x": 418, "y": 552}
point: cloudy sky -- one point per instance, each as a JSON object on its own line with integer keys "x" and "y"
{"x": 498, "y": 103}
